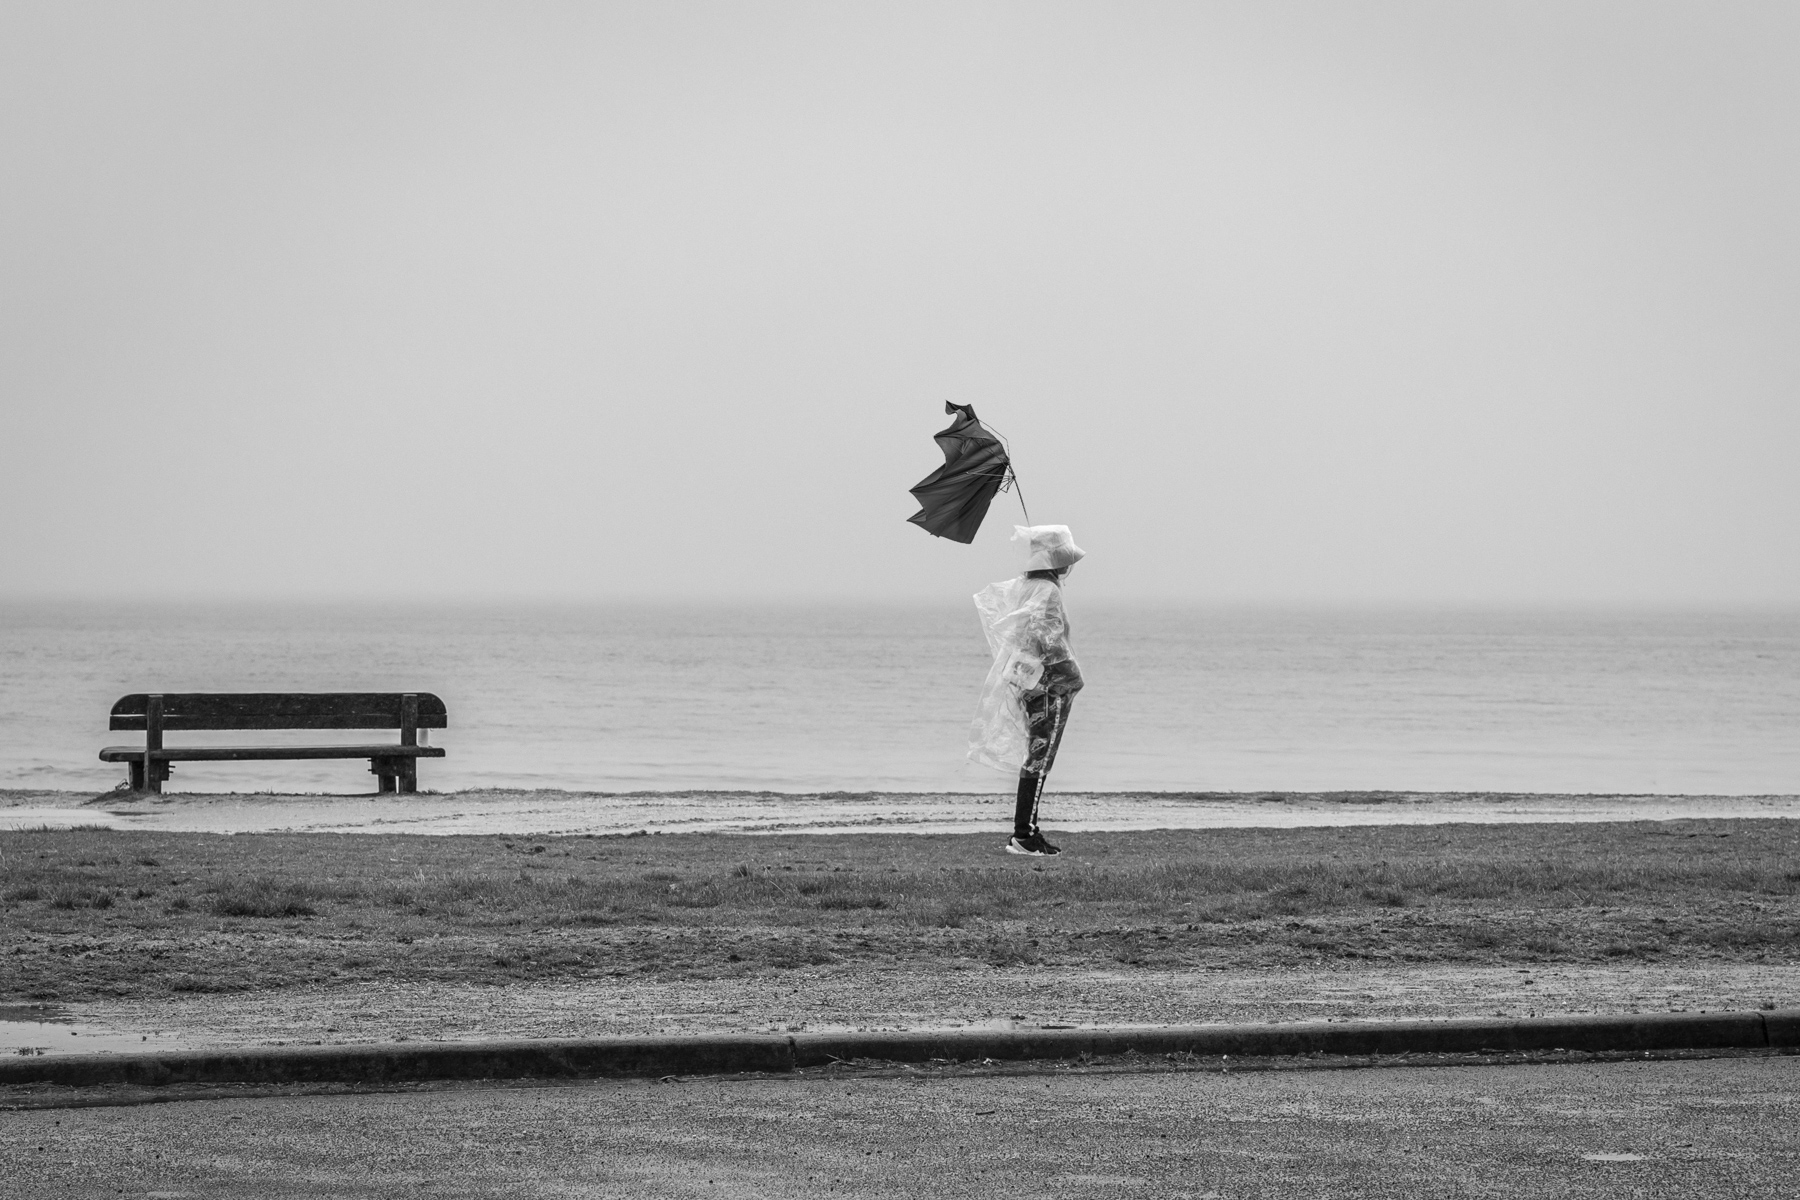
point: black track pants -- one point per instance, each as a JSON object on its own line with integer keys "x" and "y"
{"x": 1046, "y": 715}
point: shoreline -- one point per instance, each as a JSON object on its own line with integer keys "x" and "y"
{"x": 553, "y": 812}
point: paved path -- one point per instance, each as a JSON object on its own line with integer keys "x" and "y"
{"x": 1715, "y": 1128}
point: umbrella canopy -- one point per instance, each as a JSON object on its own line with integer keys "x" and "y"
{"x": 955, "y": 497}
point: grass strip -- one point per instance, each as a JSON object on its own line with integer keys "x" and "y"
{"x": 91, "y": 913}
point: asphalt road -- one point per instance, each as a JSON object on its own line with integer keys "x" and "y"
{"x": 1702, "y": 1128}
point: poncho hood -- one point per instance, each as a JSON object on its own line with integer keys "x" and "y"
{"x": 1052, "y": 546}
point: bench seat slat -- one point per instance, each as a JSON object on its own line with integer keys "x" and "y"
{"x": 278, "y": 710}
{"x": 185, "y": 722}
{"x": 239, "y": 753}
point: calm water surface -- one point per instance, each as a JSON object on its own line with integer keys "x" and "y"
{"x": 878, "y": 698}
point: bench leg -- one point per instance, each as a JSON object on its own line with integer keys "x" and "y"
{"x": 407, "y": 777}
{"x": 154, "y": 772}
{"x": 383, "y": 770}
{"x": 135, "y": 770}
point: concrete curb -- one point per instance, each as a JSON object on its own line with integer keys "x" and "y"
{"x": 711, "y": 1054}
{"x": 404, "y": 1062}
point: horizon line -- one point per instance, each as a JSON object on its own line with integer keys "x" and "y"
{"x": 322, "y": 600}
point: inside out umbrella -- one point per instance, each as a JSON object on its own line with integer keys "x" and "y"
{"x": 955, "y": 497}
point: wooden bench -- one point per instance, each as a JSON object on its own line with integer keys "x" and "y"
{"x": 397, "y": 766}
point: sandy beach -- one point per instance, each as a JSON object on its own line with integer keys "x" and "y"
{"x": 566, "y": 813}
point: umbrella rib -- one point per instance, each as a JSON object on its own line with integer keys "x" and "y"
{"x": 1018, "y": 488}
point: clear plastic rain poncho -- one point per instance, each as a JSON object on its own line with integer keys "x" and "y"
{"x": 1028, "y": 633}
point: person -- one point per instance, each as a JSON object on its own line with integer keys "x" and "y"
{"x": 1024, "y": 706}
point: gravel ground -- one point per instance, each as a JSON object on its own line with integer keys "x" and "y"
{"x": 874, "y": 998}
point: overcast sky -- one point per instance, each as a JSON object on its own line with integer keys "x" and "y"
{"x": 1310, "y": 303}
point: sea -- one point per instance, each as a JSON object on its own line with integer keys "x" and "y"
{"x": 858, "y": 697}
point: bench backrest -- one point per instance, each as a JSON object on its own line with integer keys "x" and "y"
{"x": 283, "y": 710}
